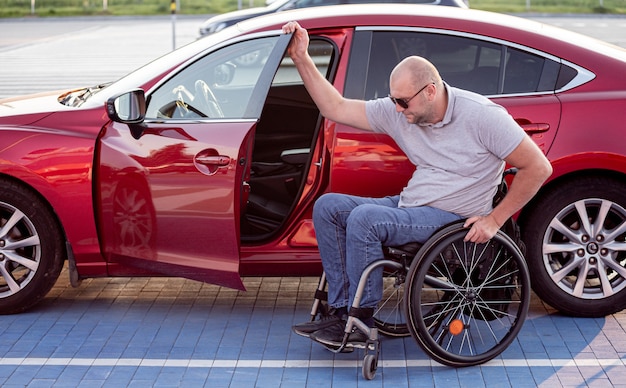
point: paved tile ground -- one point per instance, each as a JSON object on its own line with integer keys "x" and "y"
{"x": 169, "y": 332}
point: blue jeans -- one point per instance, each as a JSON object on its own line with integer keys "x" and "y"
{"x": 351, "y": 232}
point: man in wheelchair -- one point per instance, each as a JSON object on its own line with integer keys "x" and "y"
{"x": 459, "y": 142}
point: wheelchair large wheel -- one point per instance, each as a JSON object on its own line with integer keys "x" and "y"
{"x": 466, "y": 302}
{"x": 390, "y": 315}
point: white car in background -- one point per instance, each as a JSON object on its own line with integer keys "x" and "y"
{"x": 219, "y": 22}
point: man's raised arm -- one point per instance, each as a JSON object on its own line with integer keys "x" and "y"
{"x": 329, "y": 101}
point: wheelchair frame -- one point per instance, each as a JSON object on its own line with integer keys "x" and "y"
{"x": 463, "y": 303}
{"x": 463, "y": 306}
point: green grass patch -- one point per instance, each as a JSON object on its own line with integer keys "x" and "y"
{"x": 552, "y": 6}
{"x": 22, "y": 8}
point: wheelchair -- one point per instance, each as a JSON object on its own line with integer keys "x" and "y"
{"x": 462, "y": 302}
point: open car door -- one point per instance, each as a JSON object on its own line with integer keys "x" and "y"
{"x": 170, "y": 190}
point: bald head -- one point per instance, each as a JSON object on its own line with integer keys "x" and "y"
{"x": 417, "y": 83}
{"x": 417, "y": 71}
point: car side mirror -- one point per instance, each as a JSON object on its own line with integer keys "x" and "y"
{"x": 127, "y": 108}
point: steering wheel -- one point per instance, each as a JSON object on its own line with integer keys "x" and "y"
{"x": 180, "y": 107}
{"x": 207, "y": 102}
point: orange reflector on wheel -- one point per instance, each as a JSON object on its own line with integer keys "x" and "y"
{"x": 456, "y": 327}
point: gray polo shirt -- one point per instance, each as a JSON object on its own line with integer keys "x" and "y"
{"x": 459, "y": 161}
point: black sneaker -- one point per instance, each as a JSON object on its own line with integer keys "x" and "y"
{"x": 332, "y": 337}
{"x": 306, "y": 328}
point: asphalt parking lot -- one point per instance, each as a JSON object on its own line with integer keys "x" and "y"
{"x": 59, "y": 53}
{"x": 168, "y": 332}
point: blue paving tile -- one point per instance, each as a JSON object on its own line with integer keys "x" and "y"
{"x": 558, "y": 352}
{"x": 420, "y": 377}
{"x": 220, "y": 377}
{"x": 520, "y": 377}
{"x": 253, "y": 346}
{"x": 140, "y": 383}
{"x": 170, "y": 377}
{"x": 181, "y": 352}
{"x": 66, "y": 350}
{"x": 120, "y": 377}
{"x": 310, "y": 377}
{"x": 43, "y": 349}
{"x": 186, "y": 341}
{"x": 40, "y": 383}
{"x": 244, "y": 377}
{"x": 135, "y": 351}
{"x": 445, "y": 377}
{"x": 113, "y": 350}
{"x": 72, "y": 376}
{"x": 494, "y": 376}
{"x": 392, "y": 377}
{"x": 89, "y": 350}
{"x": 309, "y": 384}
{"x": 298, "y": 348}
{"x": 90, "y": 383}
{"x": 98, "y": 373}
{"x": 158, "y": 351}
{"x": 268, "y": 377}
{"x": 21, "y": 376}
{"x": 145, "y": 373}
{"x": 275, "y": 349}
{"x": 195, "y": 377}
{"x": 345, "y": 376}
{"x": 471, "y": 377}
{"x": 544, "y": 376}
{"x": 51, "y": 372}
{"x": 390, "y": 348}
{"x": 228, "y": 352}
{"x": 514, "y": 351}
{"x": 25, "y": 346}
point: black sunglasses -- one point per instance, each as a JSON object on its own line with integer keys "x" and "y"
{"x": 404, "y": 102}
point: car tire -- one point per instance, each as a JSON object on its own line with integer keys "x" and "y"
{"x": 31, "y": 248}
{"x": 579, "y": 267}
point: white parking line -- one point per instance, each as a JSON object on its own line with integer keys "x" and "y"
{"x": 206, "y": 363}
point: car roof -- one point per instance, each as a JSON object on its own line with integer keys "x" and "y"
{"x": 388, "y": 14}
{"x": 490, "y": 24}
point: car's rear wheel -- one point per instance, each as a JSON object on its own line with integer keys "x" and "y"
{"x": 576, "y": 240}
{"x": 31, "y": 248}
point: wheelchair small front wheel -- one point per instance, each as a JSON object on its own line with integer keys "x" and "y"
{"x": 370, "y": 365}
{"x": 466, "y": 302}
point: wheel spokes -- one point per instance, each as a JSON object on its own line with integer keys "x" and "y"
{"x": 584, "y": 249}
{"x": 20, "y": 248}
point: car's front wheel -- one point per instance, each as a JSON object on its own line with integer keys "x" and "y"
{"x": 576, "y": 247}
{"x": 31, "y": 248}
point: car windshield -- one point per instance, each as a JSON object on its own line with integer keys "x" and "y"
{"x": 162, "y": 65}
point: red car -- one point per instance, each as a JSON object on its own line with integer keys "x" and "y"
{"x": 205, "y": 163}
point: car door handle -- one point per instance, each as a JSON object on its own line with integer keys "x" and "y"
{"x": 213, "y": 160}
{"x": 532, "y": 128}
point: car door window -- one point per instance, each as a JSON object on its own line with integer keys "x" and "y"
{"x": 284, "y": 145}
{"x": 528, "y": 73}
{"x": 219, "y": 85}
{"x": 482, "y": 66}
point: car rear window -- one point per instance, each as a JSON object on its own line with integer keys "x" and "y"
{"x": 483, "y": 66}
